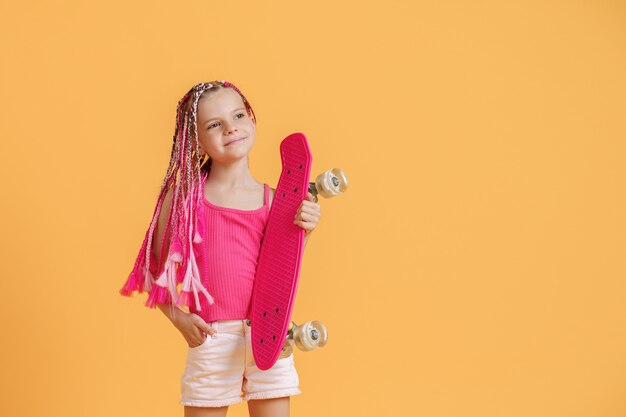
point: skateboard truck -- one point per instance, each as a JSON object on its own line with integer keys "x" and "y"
{"x": 309, "y": 336}
{"x": 329, "y": 184}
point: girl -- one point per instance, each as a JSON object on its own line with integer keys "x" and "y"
{"x": 209, "y": 219}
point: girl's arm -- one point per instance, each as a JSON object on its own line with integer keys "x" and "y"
{"x": 174, "y": 314}
{"x": 160, "y": 247}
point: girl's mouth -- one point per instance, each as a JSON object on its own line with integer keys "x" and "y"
{"x": 234, "y": 141}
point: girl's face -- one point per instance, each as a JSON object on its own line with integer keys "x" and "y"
{"x": 226, "y": 131}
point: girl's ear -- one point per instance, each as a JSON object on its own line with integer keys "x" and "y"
{"x": 201, "y": 149}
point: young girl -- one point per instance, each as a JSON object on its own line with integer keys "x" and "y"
{"x": 208, "y": 222}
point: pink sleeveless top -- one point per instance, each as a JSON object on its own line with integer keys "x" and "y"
{"x": 227, "y": 265}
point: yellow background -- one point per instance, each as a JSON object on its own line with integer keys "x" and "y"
{"x": 475, "y": 266}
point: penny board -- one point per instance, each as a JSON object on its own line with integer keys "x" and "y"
{"x": 278, "y": 265}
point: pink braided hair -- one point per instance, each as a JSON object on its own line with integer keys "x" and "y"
{"x": 186, "y": 174}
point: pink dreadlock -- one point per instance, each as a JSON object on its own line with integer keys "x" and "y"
{"x": 186, "y": 174}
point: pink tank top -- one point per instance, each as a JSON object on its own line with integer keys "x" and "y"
{"x": 231, "y": 246}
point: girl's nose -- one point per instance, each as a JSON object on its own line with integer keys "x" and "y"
{"x": 231, "y": 128}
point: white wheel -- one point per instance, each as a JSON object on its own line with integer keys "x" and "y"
{"x": 311, "y": 335}
{"x": 331, "y": 183}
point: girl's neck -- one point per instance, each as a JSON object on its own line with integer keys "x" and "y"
{"x": 231, "y": 176}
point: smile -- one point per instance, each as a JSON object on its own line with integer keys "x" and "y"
{"x": 234, "y": 141}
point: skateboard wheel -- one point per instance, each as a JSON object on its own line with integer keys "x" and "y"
{"x": 311, "y": 335}
{"x": 329, "y": 184}
{"x": 287, "y": 349}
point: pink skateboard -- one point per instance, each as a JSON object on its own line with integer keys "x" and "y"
{"x": 278, "y": 266}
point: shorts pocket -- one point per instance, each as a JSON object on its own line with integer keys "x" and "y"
{"x": 206, "y": 340}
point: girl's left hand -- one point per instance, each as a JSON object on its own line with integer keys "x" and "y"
{"x": 308, "y": 215}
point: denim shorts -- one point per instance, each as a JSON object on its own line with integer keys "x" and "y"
{"x": 221, "y": 371}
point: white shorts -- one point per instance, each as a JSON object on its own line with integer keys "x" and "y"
{"x": 221, "y": 371}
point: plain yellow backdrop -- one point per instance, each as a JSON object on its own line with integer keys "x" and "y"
{"x": 475, "y": 266}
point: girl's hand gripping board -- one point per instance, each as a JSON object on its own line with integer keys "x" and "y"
{"x": 278, "y": 266}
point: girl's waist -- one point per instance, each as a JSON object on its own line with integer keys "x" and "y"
{"x": 229, "y": 326}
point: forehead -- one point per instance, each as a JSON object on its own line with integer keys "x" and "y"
{"x": 218, "y": 103}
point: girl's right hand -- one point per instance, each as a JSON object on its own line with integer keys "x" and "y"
{"x": 193, "y": 328}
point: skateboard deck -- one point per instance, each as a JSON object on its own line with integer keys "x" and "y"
{"x": 278, "y": 266}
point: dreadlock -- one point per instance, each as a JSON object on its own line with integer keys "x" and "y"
{"x": 186, "y": 174}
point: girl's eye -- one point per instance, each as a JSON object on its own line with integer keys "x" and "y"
{"x": 238, "y": 114}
